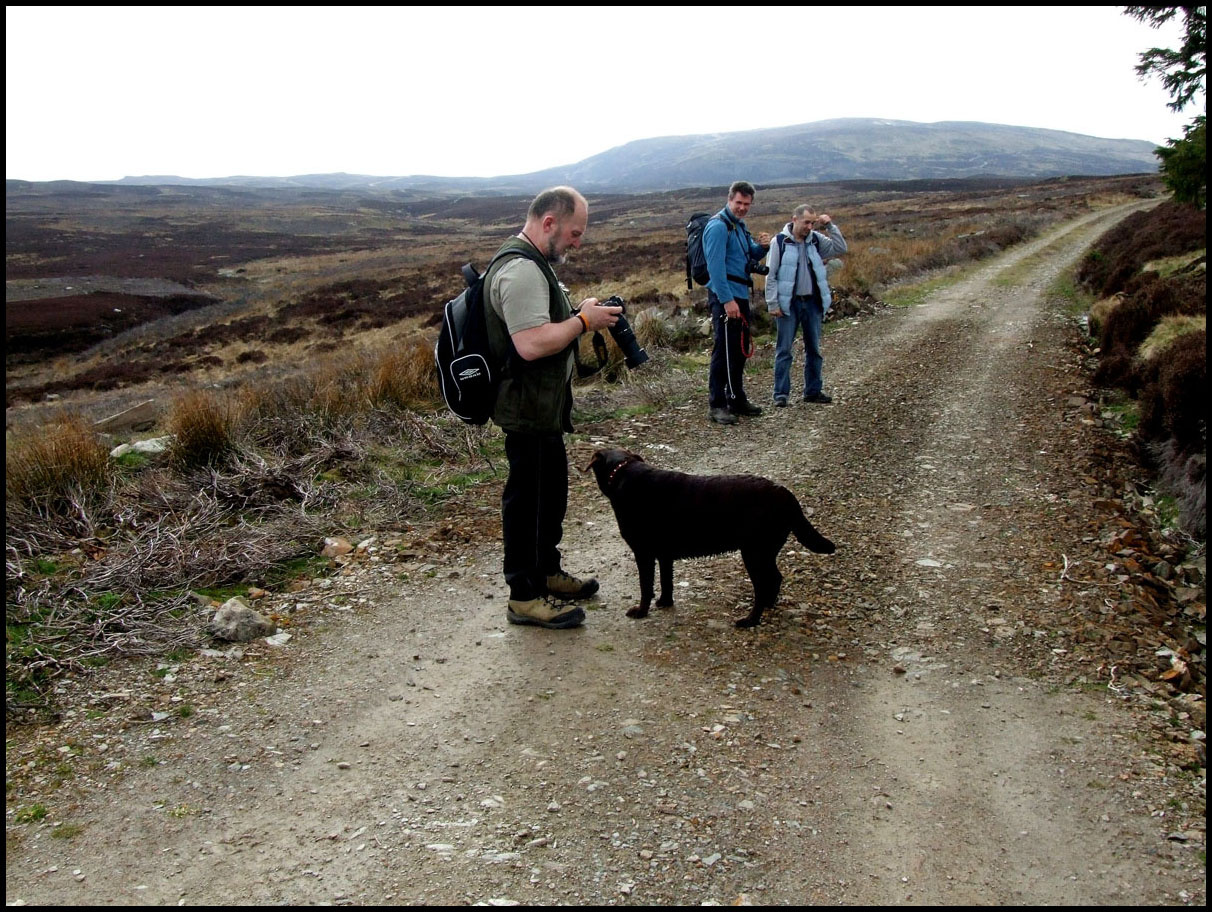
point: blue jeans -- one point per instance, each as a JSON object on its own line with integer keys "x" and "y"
{"x": 808, "y": 314}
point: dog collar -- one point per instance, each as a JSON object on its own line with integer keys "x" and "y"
{"x": 610, "y": 480}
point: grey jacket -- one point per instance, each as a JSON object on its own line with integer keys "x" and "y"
{"x": 787, "y": 276}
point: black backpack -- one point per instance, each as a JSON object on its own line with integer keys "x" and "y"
{"x": 696, "y": 257}
{"x": 468, "y": 372}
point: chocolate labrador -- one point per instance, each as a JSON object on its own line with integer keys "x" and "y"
{"x": 666, "y": 516}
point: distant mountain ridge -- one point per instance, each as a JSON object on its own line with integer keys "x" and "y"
{"x": 826, "y": 150}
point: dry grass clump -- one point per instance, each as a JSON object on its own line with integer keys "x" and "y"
{"x": 49, "y": 471}
{"x": 653, "y": 329}
{"x": 406, "y": 377}
{"x": 291, "y": 415}
{"x": 205, "y": 427}
{"x": 1100, "y": 310}
{"x": 335, "y": 394}
{"x": 1167, "y": 331}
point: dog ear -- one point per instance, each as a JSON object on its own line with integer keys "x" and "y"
{"x": 597, "y": 457}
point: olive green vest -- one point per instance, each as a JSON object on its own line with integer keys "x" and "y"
{"x": 534, "y": 396}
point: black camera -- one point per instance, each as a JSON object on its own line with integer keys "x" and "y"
{"x": 624, "y": 335}
{"x": 757, "y": 267}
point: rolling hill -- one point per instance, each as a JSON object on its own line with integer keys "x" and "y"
{"x": 827, "y": 150}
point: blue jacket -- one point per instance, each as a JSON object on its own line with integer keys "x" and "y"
{"x": 784, "y": 262}
{"x": 728, "y": 252}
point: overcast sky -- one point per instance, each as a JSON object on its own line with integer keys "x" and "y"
{"x": 98, "y": 93}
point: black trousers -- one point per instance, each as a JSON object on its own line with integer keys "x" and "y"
{"x": 726, "y": 375}
{"x": 533, "y": 507}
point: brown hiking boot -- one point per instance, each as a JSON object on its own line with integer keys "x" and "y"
{"x": 544, "y": 612}
{"x": 566, "y": 586}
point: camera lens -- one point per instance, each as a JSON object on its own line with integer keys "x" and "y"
{"x": 624, "y": 335}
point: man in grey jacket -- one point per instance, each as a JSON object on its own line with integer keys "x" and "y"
{"x": 797, "y": 294}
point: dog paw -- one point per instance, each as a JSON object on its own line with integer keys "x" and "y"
{"x": 664, "y": 603}
{"x": 637, "y": 612}
{"x": 747, "y": 622}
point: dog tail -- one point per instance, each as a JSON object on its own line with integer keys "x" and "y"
{"x": 810, "y": 538}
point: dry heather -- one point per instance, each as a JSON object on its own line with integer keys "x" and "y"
{"x": 1151, "y": 326}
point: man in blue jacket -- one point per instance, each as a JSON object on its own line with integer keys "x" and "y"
{"x": 731, "y": 251}
{"x": 797, "y": 294}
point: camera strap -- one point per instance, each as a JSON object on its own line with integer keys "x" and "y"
{"x": 600, "y": 353}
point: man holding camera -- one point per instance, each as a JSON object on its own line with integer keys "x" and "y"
{"x": 797, "y": 294}
{"x": 732, "y": 255}
{"x": 533, "y": 332}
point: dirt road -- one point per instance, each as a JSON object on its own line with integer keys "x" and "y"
{"x": 914, "y": 723}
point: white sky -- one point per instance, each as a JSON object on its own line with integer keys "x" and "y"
{"x": 98, "y": 93}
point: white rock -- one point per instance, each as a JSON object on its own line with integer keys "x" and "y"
{"x": 154, "y": 445}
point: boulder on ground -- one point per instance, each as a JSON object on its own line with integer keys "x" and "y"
{"x": 237, "y": 623}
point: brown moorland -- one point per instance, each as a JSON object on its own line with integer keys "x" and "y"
{"x": 274, "y": 279}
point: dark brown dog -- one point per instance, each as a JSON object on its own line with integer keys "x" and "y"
{"x": 666, "y": 516}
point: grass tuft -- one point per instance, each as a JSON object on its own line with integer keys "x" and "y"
{"x": 204, "y": 428}
{"x": 405, "y": 378}
{"x": 53, "y": 468}
{"x": 1167, "y": 331}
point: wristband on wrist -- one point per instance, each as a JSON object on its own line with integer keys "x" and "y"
{"x": 584, "y": 323}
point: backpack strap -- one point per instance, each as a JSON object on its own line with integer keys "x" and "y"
{"x": 530, "y": 253}
{"x": 744, "y": 280}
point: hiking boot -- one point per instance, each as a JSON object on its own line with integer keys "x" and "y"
{"x": 544, "y": 612}
{"x": 566, "y": 586}
{"x": 822, "y": 398}
{"x": 780, "y": 402}
{"x": 746, "y": 408}
{"x": 722, "y": 416}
